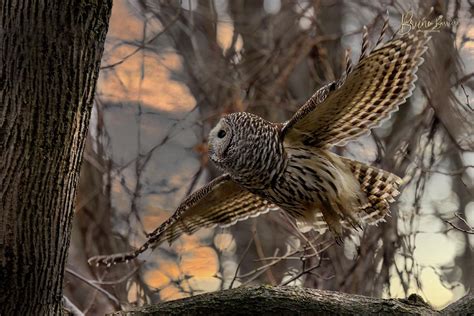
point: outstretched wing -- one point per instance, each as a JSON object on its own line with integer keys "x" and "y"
{"x": 347, "y": 109}
{"x": 221, "y": 202}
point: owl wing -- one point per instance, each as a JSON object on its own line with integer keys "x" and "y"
{"x": 347, "y": 109}
{"x": 221, "y": 202}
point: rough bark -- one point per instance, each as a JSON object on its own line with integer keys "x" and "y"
{"x": 264, "y": 300}
{"x": 50, "y": 58}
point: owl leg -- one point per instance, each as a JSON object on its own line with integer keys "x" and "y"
{"x": 349, "y": 216}
{"x": 334, "y": 223}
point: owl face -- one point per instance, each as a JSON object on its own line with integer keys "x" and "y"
{"x": 220, "y": 139}
{"x": 247, "y": 147}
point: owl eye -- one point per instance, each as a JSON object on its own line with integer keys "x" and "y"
{"x": 221, "y": 133}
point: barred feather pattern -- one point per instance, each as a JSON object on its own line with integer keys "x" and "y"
{"x": 342, "y": 199}
{"x": 384, "y": 29}
{"x": 221, "y": 202}
{"x": 288, "y": 166}
{"x": 348, "y": 61}
{"x": 380, "y": 186}
{"x": 319, "y": 190}
{"x": 376, "y": 87}
{"x": 365, "y": 44}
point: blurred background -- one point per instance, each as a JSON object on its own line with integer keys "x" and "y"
{"x": 171, "y": 69}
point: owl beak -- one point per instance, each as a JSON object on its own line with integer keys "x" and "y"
{"x": 211, "y": 152}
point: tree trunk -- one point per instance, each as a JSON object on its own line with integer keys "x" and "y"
{"x": 50, "y": 57}
{"x": 265, "y": 300}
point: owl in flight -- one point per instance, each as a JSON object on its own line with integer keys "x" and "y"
{"x": 290, "y": 167}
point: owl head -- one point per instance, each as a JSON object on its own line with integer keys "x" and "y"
{"x": 246, "y": 146}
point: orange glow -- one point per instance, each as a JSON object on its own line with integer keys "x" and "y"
{"x": 156, "y": 217}
{"x": 143, "y": 76}
{"x": 207, "y": 284}
{"x": 201, "y": 262}
{"x": 145, "y": 79}
{"x": 157, "y": 279}
{"x": 123, "y": 24}
{"x": 224, "y": 35}
{"x": 132, "y": 293}
{"x": 172, "y": 293}
{"x": 170, "y": 268}
{"x": 187, "y": 243}
{"x": 469, "y": 45}
{"x": 225, "y": 31}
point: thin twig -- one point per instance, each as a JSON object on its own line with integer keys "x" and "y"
{"x": 143, "y": 45}
{"x": 241, "y": 260}
{"x": 299, "y": 275}
{"x": 75, "y": 311}
{"x": 260, "y": 253}
{"x": 468, "y": 104}
{"x": 467, "y": 231}
{"x": 92, "y": 284}
{"x": 114, "y": 282}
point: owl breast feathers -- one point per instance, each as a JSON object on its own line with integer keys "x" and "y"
{"x": 289, "y": 166}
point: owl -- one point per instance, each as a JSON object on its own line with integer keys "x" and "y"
{"x": 290, "y": 166}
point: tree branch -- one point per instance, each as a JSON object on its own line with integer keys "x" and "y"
{"x": 291, "y": 300}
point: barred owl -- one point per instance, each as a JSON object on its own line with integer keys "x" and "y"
{"x": 290, "y": 167}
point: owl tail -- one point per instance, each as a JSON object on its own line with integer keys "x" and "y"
{"x": 381, "y": 188}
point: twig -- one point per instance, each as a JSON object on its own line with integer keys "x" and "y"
{"x": 467, "y": 231}
{"x": 92, "y": 284}
{"x": 464, "y": 79}
{"x": 71, "y": 307}
{"x": 468, "y": 104}
{"x": 299, "y": 275}
{"x": 241, "y": 260}
{"x": 143, "y": 45}
{"x": 292, "y": 224}
{"x": 259, "y": 249}
{"x": 121, "y": 280}
{"x": 260, "y": 270}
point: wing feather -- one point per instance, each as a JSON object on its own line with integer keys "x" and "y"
{"x": 372, "y": 91}
{"x": 221, "y": 202}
